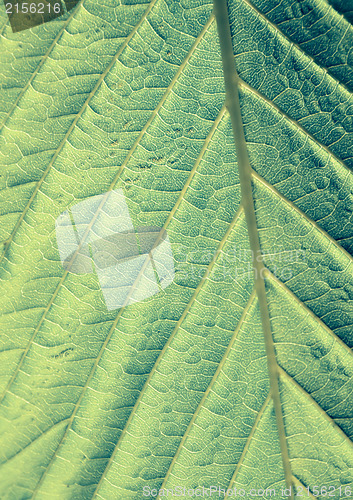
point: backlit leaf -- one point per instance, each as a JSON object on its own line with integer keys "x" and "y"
{"x": 172, "y": 389}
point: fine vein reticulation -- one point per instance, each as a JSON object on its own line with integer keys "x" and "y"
{"x": 245, "y": 175}
{"x": 239, "y": 145}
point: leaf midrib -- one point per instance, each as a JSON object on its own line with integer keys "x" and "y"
{"x": 247, "y": 201}
{"x": 274, "y": 190}
{"x": 104, "y": 74}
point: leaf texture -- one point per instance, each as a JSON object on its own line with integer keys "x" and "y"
{"x": 174, "y": 390}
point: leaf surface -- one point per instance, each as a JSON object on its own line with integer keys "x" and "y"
{"x": 174, "y": 390}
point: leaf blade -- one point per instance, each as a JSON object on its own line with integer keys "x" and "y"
{"x": 178, "y": 166}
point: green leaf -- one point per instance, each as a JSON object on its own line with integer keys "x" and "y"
{"x": 219, "y": 379}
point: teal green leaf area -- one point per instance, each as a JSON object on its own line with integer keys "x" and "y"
{"x": 173, "y": 393}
